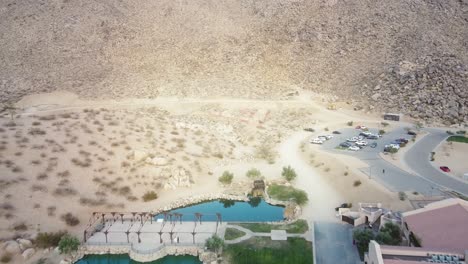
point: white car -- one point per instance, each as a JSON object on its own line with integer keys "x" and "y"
{"x": 360, "y": 138}
{"x": 316, "y": 141}
{"x": 361, "y": 143}
{"x": 329, "y": 136}
{"x": 323, "y": 138}
{"x": 353, "y": 139}
{"x": 354, "y": 148}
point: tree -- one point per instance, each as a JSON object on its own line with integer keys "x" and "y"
{"x": 254, "y": 201}
{"x": 390, "y": 234}
{"x": 214, "y": 243}
{"x": 253, "y": 174}
{"x": 362, "y": 237}
{"x": 226, "y": 178}
{"x": 227, "y": 203}
{"x": 289, "y": 173}
{"x": 68, "y": 244}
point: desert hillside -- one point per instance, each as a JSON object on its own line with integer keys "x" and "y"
{"x": 402, "y": 55}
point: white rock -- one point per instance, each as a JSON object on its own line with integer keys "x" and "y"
{"x": 24, "y": 243}
{"x": 64, "y": 261}
{"x": 139, "y": 155}
{"x": 12, "y": 247}
{"x": 28, "y": 253}
{"x": 157, "y": 161}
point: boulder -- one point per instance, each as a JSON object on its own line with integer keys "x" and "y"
{"x": 24, "y": 244}
{"x": 157, "y": 161}
{"x": 139, "y": 155}
{"x": 12, "y": 247}
{"x": 28, "y": 253}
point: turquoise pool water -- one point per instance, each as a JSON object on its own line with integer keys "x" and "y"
{"x": 125, "y": 259}
{"x": 256, "y": 210}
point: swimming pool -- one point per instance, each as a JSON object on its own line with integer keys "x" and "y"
{"x": 255, "y": 210}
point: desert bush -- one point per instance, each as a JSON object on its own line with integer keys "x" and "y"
{"x": 450, "y": 132}
{"x": 288, "y": 173}
{"x": 326, "y": 129}
{"x": 345, "y": 173}
{"x": 39, "y": 188}
{"x": 47, "y": 118}
{"x": 402, "y": 196}
{"x": 65, "y": 191}
{"x": 47, "y": 240}
{"x": 51, "y": 210}
{"x": 384, "y": 124}
{"x": 20, "y": 227}
{"x": 132, "y": 198}
{"x": 36, "y": 123}
{"x": 125, "y": 190}
{"x": 6, "y": 258}
{"x": 149, "y": 196}
{"x": 381, "y": 132}
{"x": 36, "y": 131}
{"x": 357, "y": 183}
{"x": 42, "y": 176}
{"x": 226, "y": 178}
{"x": 68, "y": 244}
{"x": 17, "y": 169}
{"x": 350, "y": 123}
{"x": 253, "y": 174}
{"x": 70, "y": 219}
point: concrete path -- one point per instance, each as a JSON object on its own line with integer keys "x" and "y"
{"x": 334, "y": 243}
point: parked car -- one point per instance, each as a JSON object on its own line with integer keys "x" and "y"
{"x": 316, "y": 141}
{"x": 373, "y": 145}
{"x": 353, "y": 139}
{"x": 308, "y": 129}
{"x": 372, "y": 137}
{"x": 402, "y": 140}
{"x": 365, "y": 133}
{"x": 336, "y": 132}
{"x": 412, "y": 133}
{"x": 361, "y": 127}
{"x": 445, "y": 168}
{"x": 361, "y": 143}
{"x": 354, "y": 148}
{"x": 323, "y": 138}
{"x": 329, "y": 136}
{"x": 345, "y": 145}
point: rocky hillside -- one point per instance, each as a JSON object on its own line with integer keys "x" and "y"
{"x": 242, "y": 48}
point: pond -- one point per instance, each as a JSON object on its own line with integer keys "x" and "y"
{"x": 255, "y": 210}
{"x": 125, "y": 259}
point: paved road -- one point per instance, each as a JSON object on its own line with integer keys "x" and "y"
{"x": 334, "y": 243}
{"x": 392, "y": 177}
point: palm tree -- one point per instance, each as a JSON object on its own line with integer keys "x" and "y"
{"x": 128, "y": 238}
{"x": 198, "y": 217}
{"x": 193, "y": 235}
{"x": 160, "y": 237}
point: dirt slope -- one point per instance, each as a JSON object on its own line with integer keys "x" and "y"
{"x": 244, "y": 48}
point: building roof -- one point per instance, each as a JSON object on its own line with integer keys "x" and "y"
{"x": 441, "y": 225}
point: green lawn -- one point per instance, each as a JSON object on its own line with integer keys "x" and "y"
{"x": 262, "y": 250}
{"x": 232, "y": 233}
{"x": 461, "y": 139}
{"x": 287, "y": 193}
{"x": 298, "y": 227}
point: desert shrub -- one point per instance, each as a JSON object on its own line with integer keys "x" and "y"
{"x": 357, "y": 183}
{"x": 68, "y": 244}
{"x": 218, "y": 155}
{"x": 350, "y": 123}
{"x": 42, "y": 176}
{"x": 125, "y": 190}
{"x": 214, "y": 243}
{"x": 287, "y": 193}
{"x": 288, "y": 173}
{"x": 264, "y": 151}
{"x": 70, "y": 219}
{"x": 6, "y": 258}
{"x": 253, "y": 173}
{"x": 381, "y": 132}
{"x": 450, "y": 132}
{"x": 47, "y": 118}
{"x": 36, "y": 131}
{"x": 389, "y": 234}
{"x": 65, "y": 191}
{"x": 149, "y": 196}
{"x": 132, "y": 198}
{"x": 226, "y": 178}
{"x": 51, "y": 210}
{"x": 326, "y": 129}
{"x": 384, "y": 124}
{"x": 47, "y": 240}
{"x": 17, "y": 169}
{"x": 345, "y": 173}
{"x": 461, "y": 132}
{"x": 362, "y": 238}
{"x": 402, "y": 196}
{"x": 20, "y": 227}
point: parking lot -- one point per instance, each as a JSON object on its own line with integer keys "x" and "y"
{"x": 387, "y": 174}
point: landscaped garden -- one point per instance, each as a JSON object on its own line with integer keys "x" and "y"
{"x": 461, "y": 139}
{"x": 232, "y": 233}
{"x": 262, "y": 250}
{"x": 298, "y": 227}
{"x": 287, "y": 193}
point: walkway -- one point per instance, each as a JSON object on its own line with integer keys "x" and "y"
{"x": 249, "y": 234}
{"x": 333, "y": 244}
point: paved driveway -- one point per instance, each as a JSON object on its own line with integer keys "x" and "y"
{"x": 334, "y": 243}
{"x": 418, "y": 159}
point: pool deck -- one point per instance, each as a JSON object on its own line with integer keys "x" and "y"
{"x": 151, "y": 234}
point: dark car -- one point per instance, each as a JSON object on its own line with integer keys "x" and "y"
{"x": 373, "y": 145}
{"x": 445, "y": 168}
{"x": 411, "y": 133}
{"x": 372, "y": 137}
{"x": 336, "y": 132}
{"x": 402, "y": 140}
{"x": 345, "y": 145}
{"x": 309, "y": 129}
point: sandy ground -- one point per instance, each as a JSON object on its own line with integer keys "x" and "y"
{"x": 62, "y": 155}
{"x": 452, "y": 155}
